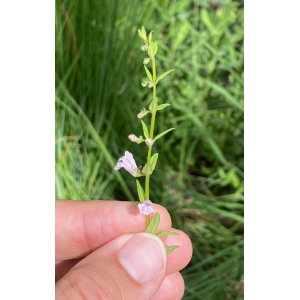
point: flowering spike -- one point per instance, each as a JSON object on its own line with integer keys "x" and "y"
{"x": 127, "y": 162}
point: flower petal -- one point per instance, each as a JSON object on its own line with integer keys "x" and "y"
{"x": 128, "y": 155}
{"x": 145, "y": 208}
{"x": 119, "y": 165}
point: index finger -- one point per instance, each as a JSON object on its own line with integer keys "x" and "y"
{"x": 83, "y": 226}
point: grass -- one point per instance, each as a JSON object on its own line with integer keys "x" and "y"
{"x": 199, "y": 176}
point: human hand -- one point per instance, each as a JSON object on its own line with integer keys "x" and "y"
{"x": 103, "y": 253}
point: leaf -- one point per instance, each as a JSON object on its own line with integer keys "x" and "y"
{"x": 161, "y": 134}
{"x": 150, "y": 49}
{"x": 182, "y": 31}
{"x": 153, "y": 160}
{"x": 153, "y": 105}
{"x": 145, "y": 129}
{"x": 150, "y": 36}
{"x": 162, "y": 106}
{"x": 164, "y": 75}
{"x": 141, "y": 35}
{"x": 207, "y": 21}
{"x": 166, "y": 233}
{"x": 154, "y": 48}
{"x": 148, "y": 73}
{"x": 152, "y": 227}
{"x": 147, "y": 170}
{"x": 170, "y": 249}
{"x": 144, "y": 31}
{"x": 228, "y": 97}
{"x": 140, "y": 191}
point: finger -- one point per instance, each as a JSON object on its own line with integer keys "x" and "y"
{"x": 172, "y": 288}
{"x": 176, "y": 261}
{"x": 131, "y": 266}
{"x": 83, "y": 226}
{"x": 180, "y": 257}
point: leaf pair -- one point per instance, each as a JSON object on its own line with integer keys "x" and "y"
{"x": 152, "y": 49}
{"x": 152, "y": 228}
{"x": 153, "y": 107}
{"x": 160, "y": 77}
{"x": 146, "y": 132}
{"x": 143, "y": 35}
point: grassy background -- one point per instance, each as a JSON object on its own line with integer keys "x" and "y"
{"x": 200, "y": 168}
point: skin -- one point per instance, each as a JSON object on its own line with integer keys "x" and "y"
{"x": 83, "y": 228}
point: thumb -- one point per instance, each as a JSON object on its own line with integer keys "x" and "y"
{"x": 129, "y": 267}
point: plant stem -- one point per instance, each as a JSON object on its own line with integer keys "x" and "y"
{"x": 147, "y": 182}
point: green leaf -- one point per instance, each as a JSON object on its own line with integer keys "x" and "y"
{"x": 150, "y": 36}
{"x": 228, "y": 97}
{"x": 153, "y": 105}
{"x": 150, "y": 49}
{"x": 148, "y": 73}
{"x": 170, "y": 249}
{"x": 166, "y": 233}
{"x": 207, "y": 21}
{"x": 164, "y": 75}
{"x": 152, "y": 227}
{"x": 147, "y": 170}
{"x": 144, "y": 31}
{"x": 140, "y": 191}
{"x": 153, "y": 160}
{"x": 162, "y": 106}
{"x": 141, "y": 35}
{"x": 161, "y": 134}
{"x": 183, "y": 30}
{"x": 154, "y": 48}
{"x": 145, "y": 129}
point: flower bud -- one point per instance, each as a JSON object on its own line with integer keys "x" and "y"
{"x": 144, "y": 47}
{"x": 150, "y": 84}
{"x": 146, "y": 60}
{"x": 145, "y": 83}
{"x": 143, "y": 113}
{"x": 133, "y": 138}
{"x": 149, "y": 142}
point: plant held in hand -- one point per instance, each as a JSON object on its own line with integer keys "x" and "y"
{"x": 127, "y": 162}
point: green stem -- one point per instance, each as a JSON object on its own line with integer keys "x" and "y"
{"x": 147, "y": 182}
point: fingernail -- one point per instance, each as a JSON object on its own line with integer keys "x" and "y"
{"x": 143, "y": 257}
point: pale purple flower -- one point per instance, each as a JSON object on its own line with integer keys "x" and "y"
{"x": 145, "y": 208}
{"x": 128, "y": 163}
